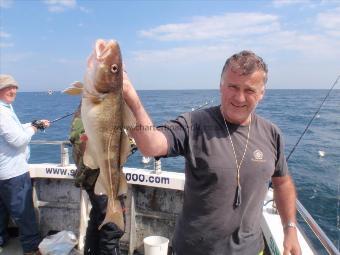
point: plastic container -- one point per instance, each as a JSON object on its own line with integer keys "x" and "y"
{"x": 156, "y": 245}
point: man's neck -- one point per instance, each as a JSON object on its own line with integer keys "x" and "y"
{"x": 4, "y": 102}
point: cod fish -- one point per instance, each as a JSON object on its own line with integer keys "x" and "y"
{"x": 104, "y": 115}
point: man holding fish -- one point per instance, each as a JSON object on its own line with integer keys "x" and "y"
{"x": 231, "y": 155}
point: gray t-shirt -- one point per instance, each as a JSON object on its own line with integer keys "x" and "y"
{"x": 209, "y": 223}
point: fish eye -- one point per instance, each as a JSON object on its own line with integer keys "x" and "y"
{"x": 114, "y": 68}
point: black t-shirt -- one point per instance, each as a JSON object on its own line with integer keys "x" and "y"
{"x": 209, "y": 223}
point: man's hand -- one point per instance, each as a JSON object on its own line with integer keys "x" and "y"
{"x": 285, "y": 199}
{"x": 150, "y": 141}
{"x": 41, "y": 124}
{"x": 290, "y": 242}
{"x": 129, "y": 93}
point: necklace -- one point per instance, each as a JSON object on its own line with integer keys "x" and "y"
{"x": 237, "y": 200}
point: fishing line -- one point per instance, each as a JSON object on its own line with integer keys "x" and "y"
{"x": 310, "y": 122}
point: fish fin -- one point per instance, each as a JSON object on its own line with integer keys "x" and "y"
{"x": 73, "y": 91}
{"x": 129, "y": 120}
{"x": 88, "y": 159}
{"x": 125, "y": 148}
{"x": 78, "y": 84}
{"x": 123, "y": 186}
{"x": 114, "y": 214}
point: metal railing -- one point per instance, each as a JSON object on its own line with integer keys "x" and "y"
{"x": 318, "y": 232}
{"x": 64, "y": 155}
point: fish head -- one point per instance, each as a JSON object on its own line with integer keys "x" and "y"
{"x": 104, "y": 68}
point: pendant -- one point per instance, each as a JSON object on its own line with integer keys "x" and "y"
{"x": 237, "y": 201}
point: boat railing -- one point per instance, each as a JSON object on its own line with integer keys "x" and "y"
{"x": 64, "y": 153}
{"x": 318, "y": 232}
{"x": 316, "y": 229}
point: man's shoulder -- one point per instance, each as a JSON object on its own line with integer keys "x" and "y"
{"x": 4, "y": 114}
{"x": 266, "y": 123}
{"x": 203, "y": 114}
{"x": 4, "y": 110}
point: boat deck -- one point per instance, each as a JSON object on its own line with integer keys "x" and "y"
{"x": 13, "y": 247}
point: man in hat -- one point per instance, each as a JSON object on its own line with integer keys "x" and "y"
{"x": 15, "y": 183}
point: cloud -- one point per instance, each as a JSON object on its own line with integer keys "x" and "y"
{"x": 4, "y": 34}
{"x": 60, "y": 5}
{"x": 15, "y": 57}
{"x": 316, "y": 46}
{"x": 180, "y": 53}
{"x": 282, "y": 3}
{"x": 6, "y": 45}
{"x": 6, "y": 4}
{"x": 3, "y": 37}
{"x": 84, "y": 9}
{"x": 215, "y": 27}
{"x": 330, "y": 21}
{"x": 233, "y": 32}
{"x": 66, "y": 61}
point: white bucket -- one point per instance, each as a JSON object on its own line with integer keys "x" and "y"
{"x": 156, "y": 245}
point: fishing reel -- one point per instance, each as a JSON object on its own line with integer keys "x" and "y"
{"x": 38, "y": 124}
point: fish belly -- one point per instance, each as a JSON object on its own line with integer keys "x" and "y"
{"x": 103, "y": 127}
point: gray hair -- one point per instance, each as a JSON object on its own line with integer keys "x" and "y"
{"x": 246, "y": 62}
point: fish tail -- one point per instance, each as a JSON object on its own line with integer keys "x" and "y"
{"x": 114, "y": 214}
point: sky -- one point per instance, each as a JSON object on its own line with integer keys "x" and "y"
{"x": 170, "y": 44}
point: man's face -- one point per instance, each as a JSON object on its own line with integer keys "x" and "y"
{"x": 240, "y": 95}
{"x": 8, "y": 94}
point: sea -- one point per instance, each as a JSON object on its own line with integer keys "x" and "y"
{"x": 314, "y": 165}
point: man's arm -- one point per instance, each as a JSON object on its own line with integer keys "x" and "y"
{"x": 13, "y": 133}
{"x": 285, "y": 199}
{"x": 149, "y": 140}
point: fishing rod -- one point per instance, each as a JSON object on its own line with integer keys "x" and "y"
{"x": 319, "y": 233}
{"x": 62, "y": 117}
{"x": 40, "y": 125}
{"x": 315, "y": 114}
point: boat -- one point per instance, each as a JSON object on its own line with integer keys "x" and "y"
{"x": 50, "y": 92}
{"x": 154, "y": 200}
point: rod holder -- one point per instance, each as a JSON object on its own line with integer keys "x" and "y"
{"x": 64, "y": 157}
{"x": 157, "y": 166}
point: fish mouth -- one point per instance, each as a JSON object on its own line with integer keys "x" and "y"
{"x": 106, "y": 49}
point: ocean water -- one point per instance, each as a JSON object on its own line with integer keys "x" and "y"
{"x": 317, "y": 178}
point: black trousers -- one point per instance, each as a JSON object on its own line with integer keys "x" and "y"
{"x": 106, "y": 240}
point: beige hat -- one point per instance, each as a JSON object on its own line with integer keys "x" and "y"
{"x": 7, "y": 81}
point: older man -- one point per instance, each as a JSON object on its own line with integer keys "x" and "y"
{"x": 231, "y": 154}
{"x": 15, "y": 183}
